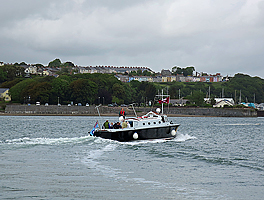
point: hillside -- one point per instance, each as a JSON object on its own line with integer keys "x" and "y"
{"x": 105, "y": 89}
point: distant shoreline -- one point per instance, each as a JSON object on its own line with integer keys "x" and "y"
{"x": 54, "y": 110}
{"x": 105, "y": 115}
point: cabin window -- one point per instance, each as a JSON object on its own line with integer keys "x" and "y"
{"x": 154, "y": 122}
{"x": 149, "y": 123}
{"x": 159, "y": 122}
{"x": 144, "y": 124}
{"x": 131, "y": 123}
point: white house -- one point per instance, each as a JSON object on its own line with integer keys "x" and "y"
{"x": 223, "y": 103}
{"x": 31, "y": 70}
{"x": 4, "y": 94}
{"x": 231, "y": 100}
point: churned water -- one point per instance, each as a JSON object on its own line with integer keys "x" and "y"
{"x": 44, "y": 157}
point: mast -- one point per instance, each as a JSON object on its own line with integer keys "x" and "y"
{"x": 209, "y": 92}
{"x": 134, "y": 109}
{"x": 235, "y": 98}
{"x": 240, "y": 97}
{"x": 162, "y": 102}
{"x": 97, "y": 107}
{"x": 162, "y": 97}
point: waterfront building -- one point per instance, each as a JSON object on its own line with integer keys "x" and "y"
{"x": 4, "y": 94}
{"x": 179, "y": 102}
{"x": 221, "y": 102}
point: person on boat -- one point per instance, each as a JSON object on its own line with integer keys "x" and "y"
{"x": 117, "y": 125}
{"x": 111, "y": 125}
{"x": 124, "y": 124}
{"x": 122, "y": 113}
{"x": 106, "y": 125}
{"x": 128, "y": 125}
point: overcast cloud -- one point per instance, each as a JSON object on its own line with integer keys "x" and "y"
{"x": 225, "y": 36}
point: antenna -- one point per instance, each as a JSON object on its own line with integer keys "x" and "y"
{"x": 133, "y": 108}
{"x": 97, "y": 107}
{"x": 162, "y": 96}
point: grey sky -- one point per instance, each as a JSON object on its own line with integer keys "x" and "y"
{"x": 211, "y": 35}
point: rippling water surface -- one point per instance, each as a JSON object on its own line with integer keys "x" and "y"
{"x": 44, "y": 157}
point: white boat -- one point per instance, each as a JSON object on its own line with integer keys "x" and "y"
{"x": 150, "y": 126}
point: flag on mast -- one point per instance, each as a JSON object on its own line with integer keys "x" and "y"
{"x": 95, "y": 126}
{"x": 166, "y": 100}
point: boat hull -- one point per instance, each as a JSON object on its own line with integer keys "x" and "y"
{"x": 130, "y": 134}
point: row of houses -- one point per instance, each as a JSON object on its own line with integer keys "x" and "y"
{"x": 111, "y": 69}
{"x": 43, "y": 71}
{"x": 48, "y": 71}
{"x": 171, "y": 78}
{"x": 122, "y": 73}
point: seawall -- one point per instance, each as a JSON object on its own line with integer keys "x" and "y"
{"x": 104, "y": 110}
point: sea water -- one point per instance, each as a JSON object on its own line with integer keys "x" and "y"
{"x": 53, "y": 157}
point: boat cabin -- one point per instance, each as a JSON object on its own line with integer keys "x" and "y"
{"x": 150, "y": 119}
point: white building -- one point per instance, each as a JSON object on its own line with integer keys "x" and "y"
{"x": 31, "y": 70}
{"x": 231, "y": 100}
{"x": 223, "y": 103}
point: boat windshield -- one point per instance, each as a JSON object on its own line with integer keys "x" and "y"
{"x": 131, "y": 123}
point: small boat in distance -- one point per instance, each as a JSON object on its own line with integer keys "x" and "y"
{"x": 150, "y": 126}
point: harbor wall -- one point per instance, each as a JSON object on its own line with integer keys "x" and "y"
{"x": 104, "y": 110}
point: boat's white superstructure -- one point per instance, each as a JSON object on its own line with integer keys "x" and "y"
{"x": 149, "y": 126}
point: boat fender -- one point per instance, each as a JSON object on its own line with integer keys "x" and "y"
{"x": 135, "y": 136}
{"x": 173, "y": 132}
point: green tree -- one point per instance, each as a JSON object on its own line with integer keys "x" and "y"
{"x": 39, "y": 65}
{"x": 188, "y": 71}
{"x": 146, "y": 73}
{"x": 59, "y": 89}
{"x": 174, "y": 90}
{"x": 65, "y": 70}
{"x": 13, "y": 71}
{"x": 83, "y": 91}
{"x": 55, "y": 63}
{"x": 22, "y": 63}
{"x": 212, "y": 100}
{"x": 197, "y": 97}
{"x": 117, "y": 100}
{"x": 139, "y": 72}
{"x": 16, "y": 90}
{"x": 140, "y": 97}
{"x": 38, "y": 92}
{"x": 119, "y": 91}
{"x": 133, "y": 73}
{"x": 3, "y": 75}
{"x": 67, "y": 64}
{"x": 105, "y": 96}
{"x": 9, "y": 84}
{"x": 151, "y": 91}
